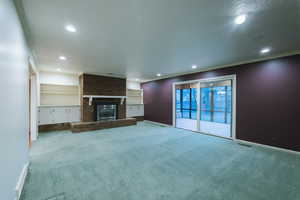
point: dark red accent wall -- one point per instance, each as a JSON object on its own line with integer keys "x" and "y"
{"x": 267, "y": 104}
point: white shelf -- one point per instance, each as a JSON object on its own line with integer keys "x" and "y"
{"x": 58, "y": 93}
{"x": 59, "y": 89}
{"x": 41, "y": 106}
{"x": 135, "y": 106}
{"x": 135, "y": 96}
{"x": 135, "y": 89}
{"x": 103, "y": 96}
{"x": 51, "y": 94}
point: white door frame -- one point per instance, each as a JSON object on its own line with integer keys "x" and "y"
{"x": 217, "y": 78}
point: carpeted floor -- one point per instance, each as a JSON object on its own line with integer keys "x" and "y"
{"x": 149, "y": 162}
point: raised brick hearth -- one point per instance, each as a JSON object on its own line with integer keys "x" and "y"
{"x": 91, "y": 126}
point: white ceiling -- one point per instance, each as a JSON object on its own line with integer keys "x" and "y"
{"x": 140, "y": 38}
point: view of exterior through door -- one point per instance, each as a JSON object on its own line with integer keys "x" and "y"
{"x": 214, "y": 99}
{"x": 216, "y": 108}
{"x": 186, "y": 106}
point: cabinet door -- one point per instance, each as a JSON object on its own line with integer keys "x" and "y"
{"x": 68, "y": 114}
{"x": 45, "y": 116}
{"x": 130, "y": 111}
{"x": 141, "y": 110}
{"x": 135, "y": 110}
{"x": 127, "y": 111}
{"x": 60, "y": 115}
{"x": 75, "y": 114}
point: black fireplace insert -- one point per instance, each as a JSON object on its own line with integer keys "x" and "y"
{"x": 105, "y": 111}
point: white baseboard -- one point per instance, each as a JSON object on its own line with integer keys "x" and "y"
{"x": 21, "y": 181}
{"x": 157, "y": 123}
{"x": 267, "y": 146}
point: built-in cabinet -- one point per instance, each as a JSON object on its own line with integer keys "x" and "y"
{"x": 135, "y": 110}
{"x": 59, "y": 104}
{"x": 135, "y": 106}
{"x": 58, "y": 114}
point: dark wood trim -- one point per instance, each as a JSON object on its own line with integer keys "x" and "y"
{"x": 139, "y": 118}
{"x": 54, "y": 127}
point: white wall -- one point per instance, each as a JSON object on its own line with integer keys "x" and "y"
{"x": 133, "y": 85}
{"x": 14, "y": 115}
{"x": 58, "y": 78}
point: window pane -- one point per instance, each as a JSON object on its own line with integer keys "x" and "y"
{"x": 194, "y": 114}
{"x": 194, "y": 98}
{"x": 186, "y": 114}
{"x": 205, "y": 116}
{"x": 205, "y": 99}
{"x": 186, "y": 98}
{"x": 178, "y": 114}
{"x": 219, "y": 98}
{"x": 229, "y": 118}
{"x": 229, "y": 100}
{"x": 219, "y": 117}
{"x": 219, "y": 104}
{"x": 178, "y": 105}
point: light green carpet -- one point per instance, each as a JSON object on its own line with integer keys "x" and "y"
{"x": 149, "y": 162}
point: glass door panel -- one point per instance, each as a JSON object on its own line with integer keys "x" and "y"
{"x": 186, "y": 103}
{"x": 194, "y": 103}
{"x": 215, "y": 108}
{"x": 205, "y": 108}
{"x": 178, "y": 104}
{"x": 186, "y": 106}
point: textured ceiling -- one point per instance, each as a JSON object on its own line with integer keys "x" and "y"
{"x": 140, "y": 38}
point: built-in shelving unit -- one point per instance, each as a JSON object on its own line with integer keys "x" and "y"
{"x": 58, "y": 95}
{"x": 59, "y": 104}
{"x": 135, "y": 106}
{"x": 134, "y": 96}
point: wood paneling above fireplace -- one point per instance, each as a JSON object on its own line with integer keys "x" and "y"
{"x": 101, "y": 85}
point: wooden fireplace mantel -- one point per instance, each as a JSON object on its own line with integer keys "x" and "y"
{"x": 91, "y": 97}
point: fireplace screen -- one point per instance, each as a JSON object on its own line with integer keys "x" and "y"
{"x": 106, "y": 112}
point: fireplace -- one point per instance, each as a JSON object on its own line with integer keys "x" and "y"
{"x": 105, "y": 111}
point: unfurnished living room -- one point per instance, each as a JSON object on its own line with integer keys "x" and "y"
{"x": 150, "y": 99}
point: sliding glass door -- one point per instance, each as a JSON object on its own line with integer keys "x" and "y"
{"x": 205, "y": 106}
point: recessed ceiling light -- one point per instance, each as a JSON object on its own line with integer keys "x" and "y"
{"x": 158, "y": 74}
{"x": 265, "y": 50}
{"x": 240, "y": 19}
{"x": 62, "y": 58}
{"x": 194, "y": 66}
{"x": 137, "y": 79}
{"x": 70, "y": 28}
{"x": 58, "y": 69}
